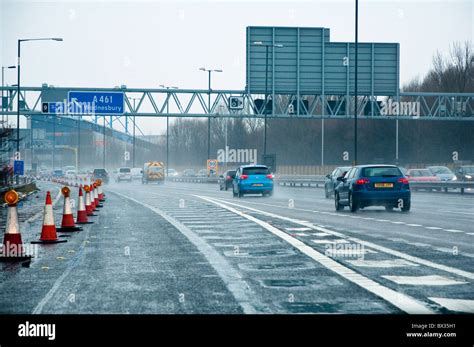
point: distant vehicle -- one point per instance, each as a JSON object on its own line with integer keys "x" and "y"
{"x": 443, "y": 173}
{"x": 373, "y": 185}
{"x": 57, "y": 173}
{"x": 101, "y": 174}
{"x": 465, "y": 173}
{"x": 202, "y": 173}
{"x": 153, "y": 171}
{"x": 252, "y": 179}
{"x": 172, "y": 173}
{"x": 136, "y": 173}
{"x": 421, "y": 175}
{"x": 71, "y": 174}
{"x": 189, "y": 173}
{"x": 124, "y": 174}
{"x": 225, "y": 180}
{"x": 403, "y": 170}
{"x": 331, "y": 180}
{"x": 69, "y": 167}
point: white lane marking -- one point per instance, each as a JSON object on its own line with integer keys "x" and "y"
{"x": 470, "y": 233}
{"x": 430, "y": 280}
{"x": 320, "y": 234}
{"x": 414, "y": 225}
{"x": 232, "y": 278}
{"x": 398, "y": 222}
{"x": 434, "y": 228}
{"x": 301, "y": 234}
{"x": 454, "y": 230}
{"x": 326, "y": 241}
{"x": 393, "y": 252}
{"x": 400, "y": 300}
{"x": 457, "y": 305}
{"x": 382, "y": 263}
{"x": 298, "y": 229}
{"x": 382, "y": 220}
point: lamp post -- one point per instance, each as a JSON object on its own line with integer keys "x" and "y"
{"x": 356, "y": 77}
{"x": 3, "y": 84}
{"x": 167, "y": 127}
{"x": 267, "y": 46}
{"x": 18, "y": 90}
{"x": 209, "y": 71}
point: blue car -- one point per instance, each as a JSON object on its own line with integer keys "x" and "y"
{"x": 252, "y": 179}
{"x": 373, "y": 185}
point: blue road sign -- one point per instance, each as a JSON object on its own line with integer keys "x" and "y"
{"x": 91, "y": 102}
{"x": 19, "y": 167}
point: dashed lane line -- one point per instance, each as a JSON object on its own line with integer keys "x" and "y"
{"x": 400, "y": 300}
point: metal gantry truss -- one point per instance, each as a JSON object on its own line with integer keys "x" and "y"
{"x": 193, "y": 103}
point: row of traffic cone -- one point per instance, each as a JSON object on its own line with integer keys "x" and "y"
{"x": 12, "y": 237}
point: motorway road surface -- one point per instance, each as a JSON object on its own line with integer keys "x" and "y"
{"x": 190, "y": 248}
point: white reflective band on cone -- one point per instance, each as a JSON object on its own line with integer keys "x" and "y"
{"x": 13, "y": 227}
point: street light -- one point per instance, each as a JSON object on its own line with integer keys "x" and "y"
{"x": 18, "y": 90}
{"x": 209, "y": 71}
{"x": 276, "y": 45}
{"x": 167, "y": 127}
{"x": 3, "y": 84}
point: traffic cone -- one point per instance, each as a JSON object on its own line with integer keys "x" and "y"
{"x": 94, "y": 206}
{"x": 48, "y": 232}
{"x": 81, "y": 210}
{"x": 89, "y": 208}
{"x": 12, "y": 243}
{"x": 96, "y": 196}
{"x": 101, "y": 193}
{"x": 67, "y": 223}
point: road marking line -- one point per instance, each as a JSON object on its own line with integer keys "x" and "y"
{"x": 414, "y": 225}
{"x": 434, "y": 228}
{"x": 231, "y": 278}
{"x": 400, "y": 300}
{"x": 390, "y": 251}
{"x": 321, "y": 234}
{"x": 454, "y": 230}
{"x": 398, "y": 222}
{"x": 298, "y": 229}
{"x": 301, "y": 234}
{"x": 382, "y": 220}
{"x": 458, "y": 305}
{"x": 382, "y": 263}
{"x": 430, "y": 280}
{"x": 326, "y": 241}
{"x": 470, "y": 233}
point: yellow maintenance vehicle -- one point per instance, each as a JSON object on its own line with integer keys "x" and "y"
{"x": 153, "y": 171}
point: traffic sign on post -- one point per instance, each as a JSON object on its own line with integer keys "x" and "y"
{"x": 19, "y": 167}
{"x": 212, "y": 167}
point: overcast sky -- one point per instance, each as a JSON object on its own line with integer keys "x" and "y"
{"x": 148, "y": 43}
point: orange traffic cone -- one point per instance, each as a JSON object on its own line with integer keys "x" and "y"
{"x": 92, "y": 197}
{"x": 48, "y": 232}
{"x": 67, "y": 223}
{"x": 12, "y": 244}
{"x": 81, "y": 210}
{"x": 89, "y": 208}
{"x": 96, "y": 196}
{"x": 101, "y": 193}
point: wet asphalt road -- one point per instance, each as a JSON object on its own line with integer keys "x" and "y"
{"x": 190, "y": 248}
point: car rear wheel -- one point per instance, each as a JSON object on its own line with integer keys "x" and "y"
{"x": 352, "y": 204}
{"x": 406, "y": 206}
{"x": 337, "y": 203}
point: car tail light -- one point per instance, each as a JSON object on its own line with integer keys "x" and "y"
{"x": 228, "y": 178}
{"x": 270, "y": 176}
{"x": 403, "y": 180}
{"x": 362, "y": 181}
{"x": 244, "y": 177}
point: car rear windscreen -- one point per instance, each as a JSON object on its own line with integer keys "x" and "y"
{"x": 124, "y": 170}
{"x": 256, "y": 171}
{"x": 99, "y": 171}
{"x": 381, "y": 171}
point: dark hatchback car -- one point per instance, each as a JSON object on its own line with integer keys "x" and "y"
{"x": 101, "y": 174}
{"x": 225, "y": 180}
{"x": 465, "y": 173}
{"x": 331, "y": 180}
{"x": 373, "y": 185}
